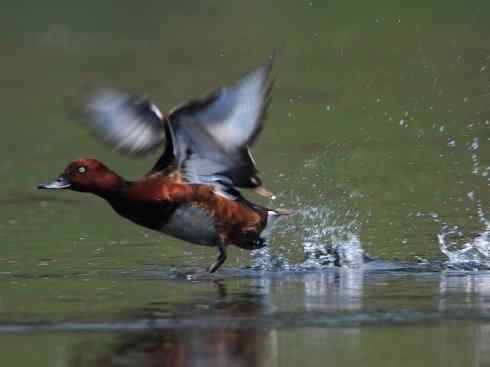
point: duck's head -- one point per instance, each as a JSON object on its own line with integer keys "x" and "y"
{"x": 85, "y": 175}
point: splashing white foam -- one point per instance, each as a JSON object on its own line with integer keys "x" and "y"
{"x": 328, "y": 239}
{"x": 472, "y": 254}
{"x": 331, "y": 239}
{"x": 475, "y": 253}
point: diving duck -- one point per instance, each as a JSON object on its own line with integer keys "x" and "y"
{"x": 192, "y": 191}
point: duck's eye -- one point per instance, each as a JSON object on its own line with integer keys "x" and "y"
{"x": 82, "y": 169}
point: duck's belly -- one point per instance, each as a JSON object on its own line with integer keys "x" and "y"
{"x": 192, "y": 224}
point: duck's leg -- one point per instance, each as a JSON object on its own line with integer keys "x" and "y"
{"x": 221, "y": 258}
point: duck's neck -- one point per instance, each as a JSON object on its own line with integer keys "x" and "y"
{"x": 115, "y": 192}
{"x": 114, "y": 188}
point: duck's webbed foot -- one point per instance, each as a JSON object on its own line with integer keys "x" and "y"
{"x": 220, "y": 260}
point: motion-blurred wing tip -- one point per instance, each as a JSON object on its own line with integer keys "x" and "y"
{"x": 131, "y": 124}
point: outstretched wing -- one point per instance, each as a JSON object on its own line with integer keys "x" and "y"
{"x": 209, "y": 139}
{"x": 212, "y": 135}
{"x": 131, "y": 124}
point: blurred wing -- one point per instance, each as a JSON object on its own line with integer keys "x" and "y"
{"x": 130, "y": 124}
{"x": 212, "y": 135}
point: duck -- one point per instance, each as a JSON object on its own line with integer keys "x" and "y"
{"x": 192, "y": 192}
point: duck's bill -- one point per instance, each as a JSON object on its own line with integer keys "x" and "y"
{"x": 61, "y": 182}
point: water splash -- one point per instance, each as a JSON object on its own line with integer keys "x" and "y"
{"x": 327, "y": 242}
{"x": 263, "y": 259}
{"x": 472, "y": 255}
{"x": 327, "y": 239}
{"x": 319, "y": 235}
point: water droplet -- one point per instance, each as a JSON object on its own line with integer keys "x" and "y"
{"x": 475, "y": 144}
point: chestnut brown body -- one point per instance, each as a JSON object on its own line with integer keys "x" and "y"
{"x": 191, "y": 212}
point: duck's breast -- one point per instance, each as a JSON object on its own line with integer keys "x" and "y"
{"x": 193, "y": 224}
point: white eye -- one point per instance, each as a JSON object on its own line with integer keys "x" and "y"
{"x": 82, "y": 169}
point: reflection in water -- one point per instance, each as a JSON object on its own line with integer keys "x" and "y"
{"x": 230, "y": 329}
{"x": 279, "y": 319}
{"x": 216, "y": 339}
{"x": 339, "y": 290}
{"x": 464, "y": 291}
{"x": 181, "y": 347}
{"x": 481, "y": 335}
{"x": 469, "y": 292}
{"x": 309, "y": 310}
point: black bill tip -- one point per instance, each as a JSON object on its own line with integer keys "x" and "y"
{"x": 61, "y": 182}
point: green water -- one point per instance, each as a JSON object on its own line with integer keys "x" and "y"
{"x": 378, "y": 135}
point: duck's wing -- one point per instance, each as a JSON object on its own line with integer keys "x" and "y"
{"x": 211, "y": 136}
{"x": 208, "y": 139}
{"x": 131, "y": 124}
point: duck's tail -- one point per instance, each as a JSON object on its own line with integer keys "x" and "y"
{"x": 281, "y": 212}
{"x": 273, "y": 216}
